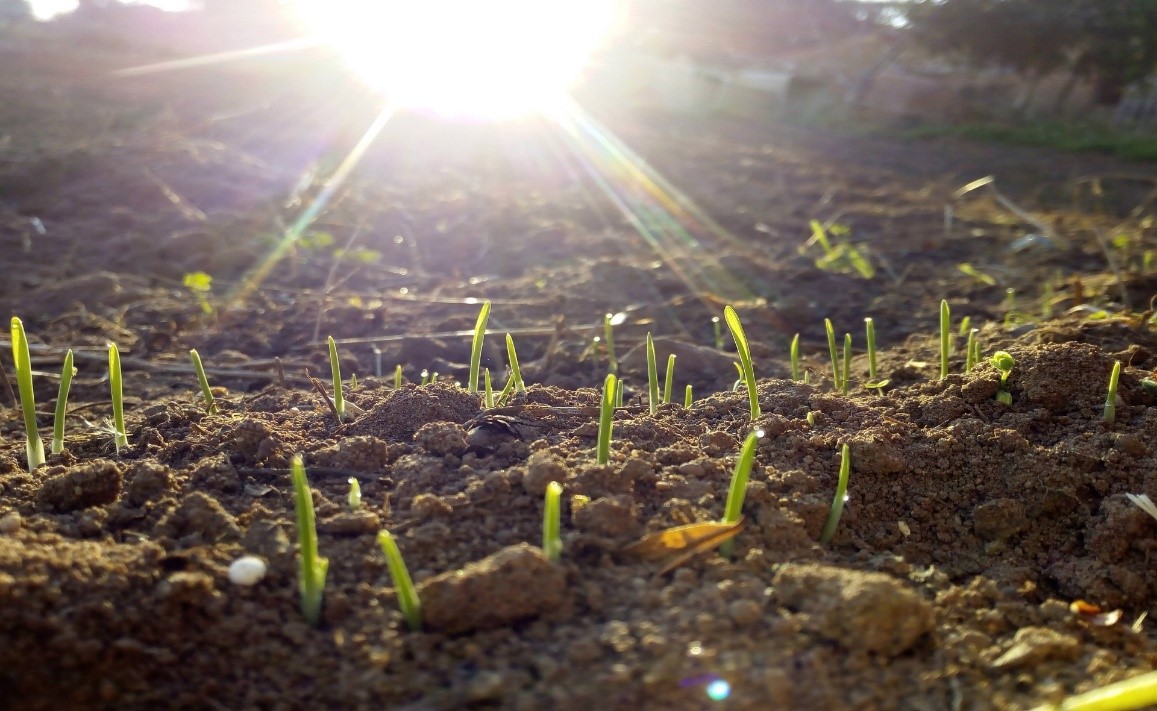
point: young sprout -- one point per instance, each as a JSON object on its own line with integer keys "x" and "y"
{"x": 669, "y": 380}
{"x": 354, "y": 498}
{"x": 687, "y": 395}
{"x": 606, "y": 416}
{"x": 507, "y": 390}
{"x": 609, "y": 322}
{"x": 121, "y": 438}
{"x": 831, "y": 333}
{"x": 1111, "y": 400}
{"x": 846, "y": 374}
{"x": 335, "y": 372}
{"x": 870, "y": 334}
{"x": 377, "y": 360}
{"x": 476, "y": 346}
{"x": 1002, "y": 361}
{"x": 200, "y": 284}
{"x": 837, "y": 509}
{"x": 487, "y": 390}
{"x": 425, "y": 376}
{"x": 210, "y": 404}
{"x": 971, "y": 351}
{"x": 551, "y": 538}
{"x": 619, "y": 387}
{"x": 313, "y": 567}
{"x": 403, "y": 585}
{"x": 734, "y": 508}
{"x": 1009, "y": 307}
{"x": 66, "y": 374}
{"x": 740, "y": 339}
{"x": 652, "y": 377}
{"x": 398, "y": 376}
{"x": 353, "y": 381}
{"x": 945, "y": 337}
{"x": 718, "y": 330}
{"x": 795, "y": 374}
{"x": 965, "y": 325}
{"x": 33, "y": 445}
{"x": 515, "y": 371}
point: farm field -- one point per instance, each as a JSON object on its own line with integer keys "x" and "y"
{"x": 971, "y": 526}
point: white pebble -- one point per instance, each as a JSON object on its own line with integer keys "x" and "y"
{"x": 247, "y": 570}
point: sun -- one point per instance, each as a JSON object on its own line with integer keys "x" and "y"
{"x": 488, "y": 59}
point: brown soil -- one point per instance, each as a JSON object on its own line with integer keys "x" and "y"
{"x": 970, "y": 528}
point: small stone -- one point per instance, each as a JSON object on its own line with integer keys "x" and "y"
{"x": 11, "y": 522}
{"x": 350, "y": 523}
{"x": 246, "y": 571}
{"x": 744, "y": 612}
{"x": 92, "y": 484}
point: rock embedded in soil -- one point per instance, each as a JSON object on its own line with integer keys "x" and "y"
{"x": 516, "y": 583}
{"x": 91, "y": 484}
{"x": 865, "y": 611}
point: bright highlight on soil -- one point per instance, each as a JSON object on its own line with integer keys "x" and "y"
{"x": 471, "y": 59}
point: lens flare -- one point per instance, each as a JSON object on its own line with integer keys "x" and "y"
{"x": 464, "y": 58}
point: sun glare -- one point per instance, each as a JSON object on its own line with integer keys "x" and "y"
{"x": 465, "y": 58}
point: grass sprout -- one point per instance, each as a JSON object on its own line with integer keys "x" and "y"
{"x": 652, "y": 377}
{"x": 794, "y": 355}
{"x": 313, "y": 567}
{"x": 200, "y": 284}
{"x": 831, "y": 333}
{"x": 476, "y": 346}
{"x": 619, "y": 387}
{"x": 403, "y": 585}
{"x": 335, "y": 371}
{"x": 398, "y": 377}
{"x": 841, "y": 497}
{"x": 354, "y": 497}
{"x": 873, "y": 373}
{"x": 606, "y": 417}
{"x": 945, "y": 337}
{"x": 717, "y": 329}
{"x": 741, "y": 346}
{"x": 846, "y": 374}
{"x": 1003, "y": 362}
{"x": 33, "y": 445}
{"x": 210, "y": 404}
{"x": 1135, "y": 693}
{"x": 115, "y": 385}
{"x": 609, "y": 322}
{"x": 669, "y": 379}
{"x": 972, "y": 350}
{"x": 66, "y": 374}
{"x": 487, "y": 389}
{"x": 515, "y": 371}
{"x": 733, "y": 511}
{"x": 1110, "y": 413}
{"x": 551, "y": 517}
{"x": 688, "y": 396}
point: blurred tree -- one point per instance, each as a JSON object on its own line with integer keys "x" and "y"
{"x": 1108, "y": 42}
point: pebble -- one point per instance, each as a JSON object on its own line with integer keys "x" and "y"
{"x": 247, "y": 570}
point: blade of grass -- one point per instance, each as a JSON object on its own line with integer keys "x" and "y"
{"x": 740, "y": 339}
{"x": 837, "y": 509}
{"x": 33, "y": 445}
{"x": 945, "y": 337}
{"x": 515, "y": 371}
{"x": 831, "y": 332}
{"x": 476, "y": 346}
{"x": 404, "y": 588}
{"x": 203, "y": 379}
{"x": 652, "y": 377}
{"x": 669, "y": 380}
{"x": 738, "y": 489}
{"x": 66, "y": 374}
{"x": 335, "y": 372}
{"x": 551, "y": 526}
{"x": 115, "y": 384}
{"x": 313, "y": 567}
{"x": 606, "y": 417}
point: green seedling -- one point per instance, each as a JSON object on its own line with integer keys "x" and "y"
{"x": 976, "y": 274}
{"x": 965, "y": 326}
{"x": 669, "y": 379}
{"x": 33, "y": 445}
{"x": 353, "y": 381}
{"x": 831, "y": 333}
{"x": 734, "y": 508}
{"x": 551, "y": 538}
{"x": 476, "y": 346}
{"x": 313, "y": 567}
{"x": 945, "y": 337}
{"x": 403, "y": 585}
{"x": 842, "y": 257}
{"x": 398, "y": 377}
{"x": 971, "y": 351}
{"x": 606, "y": 417}
{"x": 619, "y": 387}
{"x": 1003, "y": 362}
{"x": 354, "y": 498}
{"x": 121, "y": 438}
{"x": 200, "y": 284}
{"x": 1111, "y": 400}
{"x": 1136, "y": 693}
{"x": 739, "y": 381}
{"x": 377, "y": 360}
{"x": 515, "y": 371}
{"x": 870, "y": 335}
{"x": 609, "y": 322}
{"x": 425, "y": 377}
{"x": 740, "y": 339}
{"x": 718, "y": 331}
{"x": 488, "y": 389}
{"x": 846, "y": 375}
{"x": 335, "y": 372}
{"x": 794, "y": 355}
{"x": 66, "y": 374}
{"x": 652, "y": 377}
{"x": 841, "y": 498}
{"x": 210, "y": 404}
{"x": 507, "y": 391}
{"x": 687, "y": 397}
